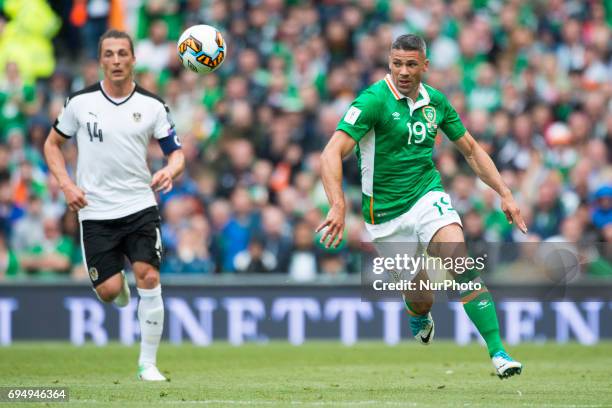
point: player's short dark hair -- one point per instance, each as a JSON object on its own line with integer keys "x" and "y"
{"x": 112, "y": 33}
{"x": 410, "y": 42}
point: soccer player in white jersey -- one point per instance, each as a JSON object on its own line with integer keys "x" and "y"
{"x": 393, "y": 124}
{"x": 112, "y": 122}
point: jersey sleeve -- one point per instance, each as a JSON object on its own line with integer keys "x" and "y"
{"x": 164, "y": 126}
{"x": 451, "y": 125}
{"x": 66, "y": 123}
{"x": 164, "y": 131}
{"x": 360, "y": 117}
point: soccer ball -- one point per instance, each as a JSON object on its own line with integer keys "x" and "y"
{"x": 201, "y": 48}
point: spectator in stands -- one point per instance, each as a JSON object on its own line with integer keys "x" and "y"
{"x": 332, "y": 266}
{"x": 154, "y": 53}
{"x": 28, "y": 231}
{"x": 602, "y": 207}
{"x": 52, "y": 257}
{"x": 9, "y": 262}
{"x": 601, "y": 266}
{"x": 548, "y": 211}
{"x": 571, "y": 230}
{"x": 237, "y": 171}
{"x": 192, "y": 255}
{"x": 473, "y": 227}
{"x": 276, "y": 238}
{"x": 255, "y": 259}
{"x": 17, "y": 100}
{"x": 95, "y": 24}
{"x": 9, "y": 211}
{"x": 219, "y": 214}
{"x": 175, "y": 217}
{"x": 27, "y": 181}
{"x": 54, "y": 204}
{"x": 71, "y": 229}
{"x": 302, "y": 261}
{"x": 241, "y": 226}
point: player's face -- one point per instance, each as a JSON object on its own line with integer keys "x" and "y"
{"x": 116, "y": 59}
{"x": 407, "y": 67}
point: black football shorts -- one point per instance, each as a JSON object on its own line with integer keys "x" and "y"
{"x": 106, "y": 243}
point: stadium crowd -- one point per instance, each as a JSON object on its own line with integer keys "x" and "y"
{"x": 532, "y": 81}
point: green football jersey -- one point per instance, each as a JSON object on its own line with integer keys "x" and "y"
{"x": 395, "y": 139}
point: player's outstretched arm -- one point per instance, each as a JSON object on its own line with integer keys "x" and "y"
{"x": 162, "y": 179}
{"x": 75, "y": 197}
{"x": 485, "y": 169}
{"x": 337, "y": 148}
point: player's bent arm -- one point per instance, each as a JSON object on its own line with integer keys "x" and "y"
{"x": 485, "y": 169}
{"x": 162, "y": 179}
{"x": 176, "y": 163}
{"x": 338, "y": 147}
{"x": 482, "y": 164}
{"x": 75, "y": 197}
{"x": 55, "y": 157}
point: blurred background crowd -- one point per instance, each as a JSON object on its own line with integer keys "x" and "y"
{"x": 532, "y": 81}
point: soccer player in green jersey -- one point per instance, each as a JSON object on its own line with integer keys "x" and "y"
{"x": 393, "y": 124}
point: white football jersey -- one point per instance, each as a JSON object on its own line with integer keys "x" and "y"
{"x": 112, "y": 139}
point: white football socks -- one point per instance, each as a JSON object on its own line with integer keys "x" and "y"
{"x": 151, "y": 320}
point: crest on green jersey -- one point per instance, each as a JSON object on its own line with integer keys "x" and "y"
{"x": 430, "y": 113}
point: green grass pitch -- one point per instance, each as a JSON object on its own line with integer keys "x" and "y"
{"x": 317, "y": 374}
